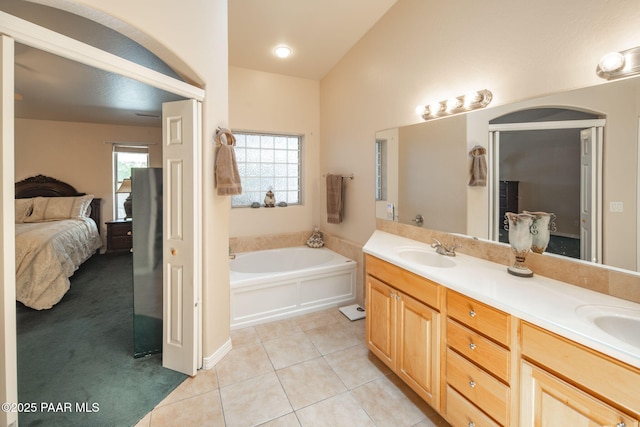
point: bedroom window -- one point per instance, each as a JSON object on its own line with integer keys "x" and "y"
{"x": 268, "y": 162}
{"x": 125, "y": 157}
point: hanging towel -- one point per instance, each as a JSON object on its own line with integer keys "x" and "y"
{"x": 335, "y": 195}
{"x": 478, "y": 167}
{"x": 227, "y": 176}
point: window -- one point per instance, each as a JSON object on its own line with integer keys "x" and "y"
{"x": 381, "y": 169}
{"x": 124, "y": 158}
{"x": 268, "y": 162}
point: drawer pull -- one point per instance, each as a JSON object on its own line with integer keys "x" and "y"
{"x": 472, "y": 424}
{"x": 390, "y": 294}
{"x": 472, "y": 346}
{"x": 472, "y": 384}
{"x": 129, "y": 233}
{"x": 472, "y": 313}
{"x": 622, "y": 424}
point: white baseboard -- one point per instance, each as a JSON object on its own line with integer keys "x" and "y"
{"x": 211, "y": 361}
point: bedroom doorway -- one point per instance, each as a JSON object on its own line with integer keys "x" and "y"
{"x": 81, "y": 53}
{"x": 566, "y": 145}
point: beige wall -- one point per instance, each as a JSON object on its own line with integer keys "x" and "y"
{"x": 79, "y": 154}
{"x": 433, "y": 174}
{"x": 265, "y": 102}
{"x": 421, "y": 52}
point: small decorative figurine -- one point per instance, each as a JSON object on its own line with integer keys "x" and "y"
{"x": 269, "y": 200}
{"x": 315, "y": 240}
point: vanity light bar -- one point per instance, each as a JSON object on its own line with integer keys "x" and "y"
{"x": 460, "y": 104}
{"x": 616, "y": 65}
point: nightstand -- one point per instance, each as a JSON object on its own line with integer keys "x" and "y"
{"x": 119, "y": 236}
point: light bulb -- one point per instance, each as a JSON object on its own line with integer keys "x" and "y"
{"x": 434, "y": 109}
{"x": 471, "y": 98}
{"x": 453, "y": 104}
{"x": 613, "y": 61}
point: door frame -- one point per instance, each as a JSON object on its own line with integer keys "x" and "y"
{"x": 27, "y": 33}
{"x": 494, "y": 170}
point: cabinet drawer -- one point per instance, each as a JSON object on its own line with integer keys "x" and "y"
{"x": 596, "y": 372}
{"x": 120, "y": 230}
{"x": 478, "y": 316}
{"x": 418, "y": 287}
{"x": 479, "y": 349}
{"x": 479, "y": 387}
{"x": 462, "y": 413}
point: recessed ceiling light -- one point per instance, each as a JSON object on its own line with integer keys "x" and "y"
{"x": 282, "y": 51}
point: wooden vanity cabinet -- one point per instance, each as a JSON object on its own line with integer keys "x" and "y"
{"x": 479, "y": 366}
{"x": 565, "y": 383}
{"x": 403, "y": 326}
{"x": 478, "y": 363}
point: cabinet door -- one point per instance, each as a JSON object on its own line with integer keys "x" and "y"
{"x": 418, "y": 341}
{"x": 548, "y": 401}
{"x": 381, "y": 321}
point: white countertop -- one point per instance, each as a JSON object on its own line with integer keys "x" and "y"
{"x": 545, "y": 302}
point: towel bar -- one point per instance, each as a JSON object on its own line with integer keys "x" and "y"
{"x": 344, "y": 176}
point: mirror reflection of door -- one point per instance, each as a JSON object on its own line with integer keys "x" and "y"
{"x": 544, "y": 161}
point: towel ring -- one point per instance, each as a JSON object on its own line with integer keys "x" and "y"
{"x": 231, "y": 140}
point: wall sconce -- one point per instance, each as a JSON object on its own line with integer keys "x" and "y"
{"x": 460, "y": 104}
{"x": 616, "y": 65}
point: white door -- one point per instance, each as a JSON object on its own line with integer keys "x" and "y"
{"x": 589, "y": 196}
{"x": 182, "y": 274}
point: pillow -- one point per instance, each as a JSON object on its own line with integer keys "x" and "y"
{"x": 57, "y": 208}
{"x": 24, "y": 207}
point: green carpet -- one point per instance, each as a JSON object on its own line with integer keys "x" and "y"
{"x": 75, "y": 361}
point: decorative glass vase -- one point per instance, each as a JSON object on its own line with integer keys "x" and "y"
{"x": 520, "y": 239}
{"x": 541, "y": 229}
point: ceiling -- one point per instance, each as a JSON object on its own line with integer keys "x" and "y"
{"x": 52, "y": 88}
{"x": 319, "y": 33}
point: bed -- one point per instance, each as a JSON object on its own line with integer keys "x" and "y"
{"x": 56, "y": 231}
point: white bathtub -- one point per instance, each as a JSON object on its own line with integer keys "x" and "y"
{"x": 279, "y": 283}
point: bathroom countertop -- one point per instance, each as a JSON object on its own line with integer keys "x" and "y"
{"x": 548, "y": 303}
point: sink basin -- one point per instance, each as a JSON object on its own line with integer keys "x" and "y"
{"x": 426, "y": 258}
{"x": 619, "y": 322}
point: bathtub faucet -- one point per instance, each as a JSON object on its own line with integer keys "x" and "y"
{"x": 231, "y": 256}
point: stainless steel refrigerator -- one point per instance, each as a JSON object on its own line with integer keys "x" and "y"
{"x": 146, "y": 195}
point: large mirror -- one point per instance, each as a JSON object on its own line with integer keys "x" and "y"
{"x": 535, "y": 160}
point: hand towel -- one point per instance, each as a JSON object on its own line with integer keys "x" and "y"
{"x": 335, "y": 195}
{"x": 227, "y": 175}
{"x": 478, "y": 167}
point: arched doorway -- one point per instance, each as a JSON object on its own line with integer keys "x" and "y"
{"x": 37, "y": 37}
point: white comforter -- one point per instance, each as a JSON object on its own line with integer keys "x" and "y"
{"x": 47, "y": 254}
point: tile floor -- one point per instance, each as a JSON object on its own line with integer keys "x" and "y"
{"x": 312, "y": 370}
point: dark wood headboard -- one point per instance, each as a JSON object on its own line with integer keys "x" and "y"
{"x": 46, "y": 186}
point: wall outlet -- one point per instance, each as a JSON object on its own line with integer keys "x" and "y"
{"x": 616, "y": 206}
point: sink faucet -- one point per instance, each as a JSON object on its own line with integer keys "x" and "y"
{"x": 442, "y": 249}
